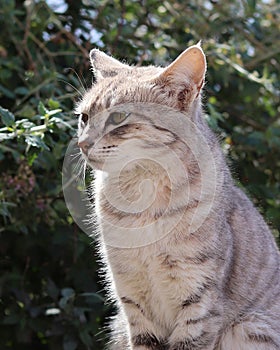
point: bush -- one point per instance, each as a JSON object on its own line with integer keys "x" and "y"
{"x": 50, "y": 294}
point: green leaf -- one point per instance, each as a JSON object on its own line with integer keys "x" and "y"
{"x": 252, "y": 4}
{"x": 42, "y": 109}
{"x": 53, "y": 112}
{"x": 35, "y": 141}
{"x": 4, "y": 210}
{"x": 11, "y": 319}
{"x": 7, "y": 92}
{"x": 92, "y": 298}
{"x": 21, "y": 90}
{"x": 60, "y": 121}
{"x": 53, "y": 104}
{"x": 67, "y": 292}
{"x": 69, "y": 342}
{"x": 7, "y": 117}
{"x": 86, "y": 338}
{"x": 31, "y": 158}
{"x": 4, "y": 136}
{"x": 25, "y": 124}
{"x": 52, "y": 289}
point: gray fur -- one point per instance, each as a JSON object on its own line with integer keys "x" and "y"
{"x": 215, "y": 288}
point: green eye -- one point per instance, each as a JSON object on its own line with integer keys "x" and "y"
{"x": 117, "y": 117}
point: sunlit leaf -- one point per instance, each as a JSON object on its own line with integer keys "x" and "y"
{"x": 42, "y": 109}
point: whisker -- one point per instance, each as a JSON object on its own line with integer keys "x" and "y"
{"x": 74, "y": 156}
{"x": 106, "y": 156}
{"x": 84, "y": 86}
{"x": 85, "y": 82}
{"x": 80, "y": 168}
{"x": 72, "y": 86}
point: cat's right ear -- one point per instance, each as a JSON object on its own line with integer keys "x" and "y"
{"x": 186, "y": 74}
{"x": 103, "y": 65}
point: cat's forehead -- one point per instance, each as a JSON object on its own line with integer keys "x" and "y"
{"x": 118, "y": 88}
{"x": 132, "y": 72}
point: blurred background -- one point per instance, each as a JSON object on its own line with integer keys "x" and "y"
{"x": 51, "y": 296}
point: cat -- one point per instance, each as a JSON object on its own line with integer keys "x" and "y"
{"x": 189, "y": 261}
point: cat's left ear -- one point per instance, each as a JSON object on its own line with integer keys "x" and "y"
{"x": 188, "y": 70}
{"x": 104, "y": 65}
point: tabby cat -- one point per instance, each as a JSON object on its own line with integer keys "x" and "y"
{"x": 189, "y": 261}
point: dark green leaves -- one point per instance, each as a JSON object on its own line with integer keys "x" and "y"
{"x": 7, "y": 117}
{"x": 35, "y": 141}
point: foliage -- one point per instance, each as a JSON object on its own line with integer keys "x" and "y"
{"x": 50, "y": 296}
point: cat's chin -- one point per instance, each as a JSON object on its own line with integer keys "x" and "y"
{"x": 95, "y": 164}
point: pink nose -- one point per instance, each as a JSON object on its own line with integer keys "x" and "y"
{"x": 84, "y": 146}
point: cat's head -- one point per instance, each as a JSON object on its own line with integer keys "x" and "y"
{"x": 123, "y": 115}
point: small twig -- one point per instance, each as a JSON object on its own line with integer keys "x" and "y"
{"x": 266, "y": 83}
{"x": 75, "y": 244}
{"x": 26, "y": 267}
{"x": 142, "y": 59}
{"x": 32, "y": 65}
{"x": 247, "y": 120}
{"x": 249, "y": 37}
{"x": 270, "y": 53}
{"x": 33, "y": 91}
{"x": 42, "y": 47}
{"x": 72, "y": 38}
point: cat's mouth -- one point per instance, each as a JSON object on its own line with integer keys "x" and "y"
{"x": 98, "y": 157}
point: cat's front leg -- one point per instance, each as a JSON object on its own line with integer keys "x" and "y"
{"x": 198, "y": 323}
{"x": 143, "y": 335}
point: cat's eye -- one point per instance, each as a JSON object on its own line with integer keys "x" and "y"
{"x": 117, "y": 117}
{"x": 84, "y": 117}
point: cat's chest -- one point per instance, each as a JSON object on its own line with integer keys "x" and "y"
{"x": 157, "y": 278}
{"x": 142, "y": 277}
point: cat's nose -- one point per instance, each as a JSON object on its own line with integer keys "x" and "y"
{"x": 84, "y": 146}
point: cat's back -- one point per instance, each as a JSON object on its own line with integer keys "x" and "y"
{"x": 254, "y": 276}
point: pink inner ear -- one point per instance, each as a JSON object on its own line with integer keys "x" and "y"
{"x": 189, "y": 67}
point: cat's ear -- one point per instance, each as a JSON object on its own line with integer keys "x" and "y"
{"x": 104, "y": 65}
{"x": 188, "y": 70}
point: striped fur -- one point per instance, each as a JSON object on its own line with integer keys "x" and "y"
{"x": 216, "y": 287}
